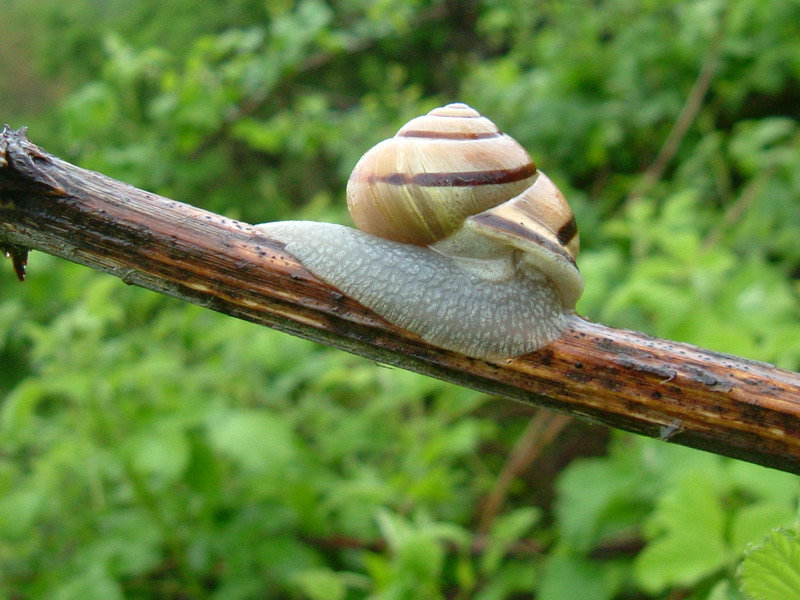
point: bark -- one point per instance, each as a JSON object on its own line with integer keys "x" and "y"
{"x": 624, "y": 379}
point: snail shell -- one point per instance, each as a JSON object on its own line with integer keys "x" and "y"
{"x": 461, "y": 239}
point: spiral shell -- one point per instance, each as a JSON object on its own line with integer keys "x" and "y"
{"x": 420, "y": 185}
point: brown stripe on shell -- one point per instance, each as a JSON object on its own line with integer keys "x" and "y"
{"x": 518, "y": 230}
{"x": 567, "y": 231}
{"x": 449, "y": 135}
{"x": 463, "y": 179}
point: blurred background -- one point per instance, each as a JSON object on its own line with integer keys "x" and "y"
{"x": 151, "y": 449}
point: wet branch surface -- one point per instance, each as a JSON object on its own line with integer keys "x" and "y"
{"x": 624, "y": 379}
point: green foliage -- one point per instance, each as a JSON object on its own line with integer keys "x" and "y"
{"x": 150, "y": 449}
{"x": 771, "y": 570}
{"x": 690, "y": 522}
{"x": 696, "y": 513}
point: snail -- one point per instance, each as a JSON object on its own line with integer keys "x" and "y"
{"x": 460, "y": 238}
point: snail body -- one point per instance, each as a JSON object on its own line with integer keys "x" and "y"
{"x": 460, "y": 238}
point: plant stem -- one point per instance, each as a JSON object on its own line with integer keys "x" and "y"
{"x": 677, "y": 392}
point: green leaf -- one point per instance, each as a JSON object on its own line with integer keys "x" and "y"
{"x": 725, "y": 590}
{"x": 257, "y": 440}
{"x": 130, "y": 544}
{"x": 771, "y": 571}
{"x": 754, "y": 142}
{"x": 93, "y": 584}
{"x": 568, "y": 576}
{"x": 161, "y": 452}
{"x": 751, "y": 523}
{"x": 19, "y": 511}
{"x": 203, "y": 469}
{"x": 418, "y": 553}
{"x": 506, "y": 530}
{"x": 597, "y": 495}
{"x": 19, "y": 408}
{"x": 689, "y": 537}
{"x": 764, "y": 483}
{"x": 512, "y": 578}
{"x": 321, "y": 584}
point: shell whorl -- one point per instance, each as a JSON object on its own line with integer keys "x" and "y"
{"x": 420, "y": 185}
{"x": 540, "y": 224}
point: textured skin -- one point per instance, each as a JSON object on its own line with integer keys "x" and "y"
{"x": 426, "y": 292}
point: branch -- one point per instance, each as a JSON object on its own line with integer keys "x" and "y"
{"x": 624, "y": 379}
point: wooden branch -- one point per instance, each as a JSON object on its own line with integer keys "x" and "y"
{"x": 674, "y": 391}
